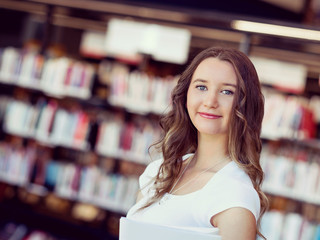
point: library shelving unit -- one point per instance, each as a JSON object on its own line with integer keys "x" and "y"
{"x": 77, "y": 121}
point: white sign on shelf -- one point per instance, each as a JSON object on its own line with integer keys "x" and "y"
{"x": 288, "y": 76}
{"x": 130, "y": 39}
{"x": 92, "y": 44}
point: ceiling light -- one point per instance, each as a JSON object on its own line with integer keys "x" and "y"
{"x": 277, "y": 30}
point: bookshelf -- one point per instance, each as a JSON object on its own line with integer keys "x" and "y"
{"x": 76, "y": 124}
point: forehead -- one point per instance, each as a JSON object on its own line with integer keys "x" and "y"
{"x": 215, "y": 69}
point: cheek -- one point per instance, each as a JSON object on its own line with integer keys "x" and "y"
{"x": 229, "y": 104}
{"x": 230, "y": 111}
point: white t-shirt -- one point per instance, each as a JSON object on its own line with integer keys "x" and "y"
{"x": 229, "y": 187}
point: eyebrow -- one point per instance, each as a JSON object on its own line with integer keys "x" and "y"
{"x": 205, "y": 81}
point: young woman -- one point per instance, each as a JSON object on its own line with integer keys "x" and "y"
{"x": 209, "y": 178}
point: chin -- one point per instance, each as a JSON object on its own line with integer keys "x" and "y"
{"x": 213, "y": 132}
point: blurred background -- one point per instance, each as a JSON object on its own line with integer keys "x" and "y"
{"x": 84, "y": 82}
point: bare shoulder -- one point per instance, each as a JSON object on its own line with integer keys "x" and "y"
{"x": 235, "y": 223}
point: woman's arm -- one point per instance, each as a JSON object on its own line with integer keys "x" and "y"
{"x": 235, "y": 224}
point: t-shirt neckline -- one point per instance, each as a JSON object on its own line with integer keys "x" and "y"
{"x": 215, "y": 176}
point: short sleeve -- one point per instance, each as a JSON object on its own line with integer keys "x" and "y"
{"x": 146, "y": 179}
{"x": 235, "y": 194}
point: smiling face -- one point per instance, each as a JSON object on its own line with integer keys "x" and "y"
{"x": 210, "y": 96}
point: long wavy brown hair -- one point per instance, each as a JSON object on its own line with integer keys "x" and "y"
{"x": 244, "y": 143}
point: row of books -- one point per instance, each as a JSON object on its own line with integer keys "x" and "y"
{"x": 291, "y": 173}
{"x": 90, "y": 184}
{"x": 16, "y": 164}
{"x": 137, "y": 91}
{"x": 130, "y": 140}
{"x": 52, "y": 125}
{"x": 48, "y": 123}
{"x": 289, "y": 116}
{"x": 276, "y": 225}
{"x": 55, "y": 76}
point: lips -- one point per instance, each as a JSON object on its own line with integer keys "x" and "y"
{"x": 209, "y": 116}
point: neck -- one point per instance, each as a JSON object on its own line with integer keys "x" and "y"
{"x": 211, "y": 150}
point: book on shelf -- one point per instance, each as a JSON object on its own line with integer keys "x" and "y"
{"x": 9, "y": 60}
{"x": 16, "y": 164}
{"x": 82, "y": 129}
{"x": 31, "y": 70}
{"x": 314, "y": 105}
{"x": 272, "y": 225}
{"x": 51, "y": 174}
{"x": 4, "y": 102}
{"x": 308, "y": 230}
{"x": 108, "y": 138}
{"x": 46, "y": 119}
{"x": 15, "y": 115}
{"x": 54, "y": 75}
{"x": 292, "y": 226}
{"x": 66, "y": 177}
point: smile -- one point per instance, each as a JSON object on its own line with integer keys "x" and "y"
{"x": 209, "y": 116}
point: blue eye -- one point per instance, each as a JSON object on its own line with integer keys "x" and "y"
{"x": 201, "y": 88}
{"x": 227, "y": 92}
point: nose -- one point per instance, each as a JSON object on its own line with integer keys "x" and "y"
{"x": 211, "y": 100}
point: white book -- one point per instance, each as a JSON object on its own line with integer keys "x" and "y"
{"x": 272, "y": 225}
{"x": 130, "y": 195}
{"x": 58, "y": 130}
{"x": 89, "y": 181}
{"x": 75, "y": 76}
{"x": 25, "y": 77}
{"x": 89, "y": 76}
{"x": 134, "y": 230}
{"x": 312, "y": 181}
{"x": 60, "y": 72}
{"x": 13, "y": 121}
{"x": 48, "y": 74}
{"x": 10, "y": 58}
{"x": 292, "y": 226}
{"x": 42, "y": 133}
